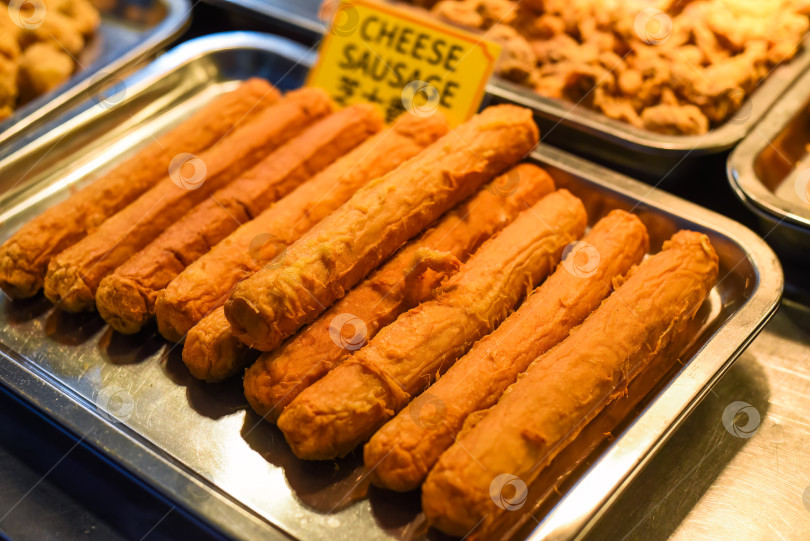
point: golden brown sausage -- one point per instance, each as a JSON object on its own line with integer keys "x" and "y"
{"x": 338, "y": 252}
{"x": 401, "y": 453}
{"x": 279, "y": 376}
{"x": 126, "y": 298}
{"x": 25, "y": 256}
{"x": 206, "y": 283}
{"x": 211, "y": 352}
{"x": 565, "y": 388}
{"x": 346, "y": 406}
{"x": 74, "y": 275}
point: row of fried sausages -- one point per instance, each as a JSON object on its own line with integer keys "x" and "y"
{"x": 477, "y": 343}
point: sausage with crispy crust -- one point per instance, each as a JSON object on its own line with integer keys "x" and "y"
{"x": 565, "y": 388}
{"x": 25, "y": 256}
{"x": 346, "y": 406}
{"x": 205, "y": 284}
{"x": 279, "y": 376}
{"x": 126, "y": 298}
{"x": 74, "y": 275}
{"x": 338, "y": 252}
{"x": 211, "y": 352}
{"x": 401, "y": 453}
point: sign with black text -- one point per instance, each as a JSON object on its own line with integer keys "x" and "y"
{"x": 401, "y": 60}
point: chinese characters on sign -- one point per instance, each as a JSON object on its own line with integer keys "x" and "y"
{"x": 398, "y": 60}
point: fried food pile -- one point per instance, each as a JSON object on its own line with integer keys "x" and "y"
{"x": 417, "y": 290}
{"x": 669, "y": 66}
{"x": 39, "y": 42}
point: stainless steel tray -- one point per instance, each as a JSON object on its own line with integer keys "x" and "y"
{"x": 767, "y": 170}
{"x": 582, "y": 130}
{"x": 130, "y": 31}
{"x": 133, "y": 399}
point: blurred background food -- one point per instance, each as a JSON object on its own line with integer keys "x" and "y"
{"x": 40, "y": 42}
{"x": 669, "y": 66}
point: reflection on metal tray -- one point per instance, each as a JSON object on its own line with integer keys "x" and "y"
{"x": 770, "y": 172}
{"x": 130, "y": 31}
{"x": 302, "y": 14}
{"x": 199, "y": 443}
{"x": 585, "y": 131}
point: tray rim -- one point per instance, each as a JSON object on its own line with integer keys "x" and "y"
{"x": 47, "y": 106}
{"x": 740, "y": 164}
{"x": 312, "y": 27}
{"x": 716, "y": 140}
{"x": 162, "y": 472}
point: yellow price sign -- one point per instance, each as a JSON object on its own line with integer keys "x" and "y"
{"x": 401, "y": 60}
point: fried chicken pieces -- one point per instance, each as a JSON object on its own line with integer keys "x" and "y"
{"x": 669, "y": 66}
{"x": 39, "y": 41}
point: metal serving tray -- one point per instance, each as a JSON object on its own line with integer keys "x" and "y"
{"x": 130, "y": 31}
{"x": 582, "y": 130}
{"x": 132, "y": 398}
{"x": 768, "y": 170}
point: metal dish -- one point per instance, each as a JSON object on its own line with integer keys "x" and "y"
{"x": 766, "y": 167}
{"x": 579, "y": 129}
{"x": 769, "y": 169}
{"x": 130, "y": 32}
{"x": 132, "y": 398}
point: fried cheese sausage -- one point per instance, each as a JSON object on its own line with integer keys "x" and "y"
{"x": 276, "y": 378}
{"x": 206, "y": 283}
{"x": 211, "y": 352}
{"x": 74, "y": 275}
{"x": 345, "y": 407}
{"x": 402, "y": 452}
{"x": 25, "y": 256}
{"x": 338, "y": 252}
{"x": 126, "y": 298}
{"x": 565, "y": 388}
